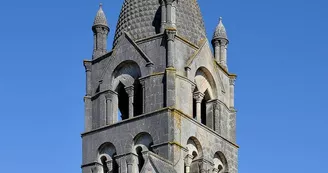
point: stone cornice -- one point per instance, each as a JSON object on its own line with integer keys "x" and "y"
{"x": 103, "y": 92}
{"x": 124, "y": 121}
{"x": 167, "y": 109}
{"x": 151, "y": 75}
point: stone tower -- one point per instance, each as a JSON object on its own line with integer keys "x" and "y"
{"x": 160, "y": 101}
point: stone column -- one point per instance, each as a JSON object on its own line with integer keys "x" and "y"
{"x": 198, "y": 96}
{"x": 111, "y": 117}
{"x": 88, "y": 68}
{"x": 109, "y": 164}
{"x": 223, "y": 55}
{"x": 130, "y": 91}
{"x": 163, "y": 16}
{"x": 217, "y": 50}
{"x": 188, "y": 161}
{"x": 203, "y": 167}
{"x": 170, "y": 47}
{"x": 132, "y": 161}
{"x": 87, "y": 98}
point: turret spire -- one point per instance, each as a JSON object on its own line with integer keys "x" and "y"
{"x": 220, "y": 31}
{"x": 220, "y": 43}
{"x": 100, "y": 18}
{"x": 100, "y": 29}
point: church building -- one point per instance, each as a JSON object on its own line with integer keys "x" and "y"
{"x": 161, "y": 101}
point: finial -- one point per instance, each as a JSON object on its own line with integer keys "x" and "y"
{"x": 220, "y": 19}
{"x": 100, "y": 5}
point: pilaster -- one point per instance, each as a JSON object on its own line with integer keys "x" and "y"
{"x": 170, "y": 75}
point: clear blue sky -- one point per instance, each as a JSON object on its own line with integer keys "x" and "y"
{"x": 278, "y": 48}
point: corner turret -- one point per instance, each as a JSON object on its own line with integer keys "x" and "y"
{"x": 100, "y": 30}
{"x": 220, "y": 43}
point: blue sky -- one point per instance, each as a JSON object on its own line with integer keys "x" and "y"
{"x": 278, "y": 48}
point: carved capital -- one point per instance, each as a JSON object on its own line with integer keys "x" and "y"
{"x": 171, "y": 33}
{"x": 198, "y": 96}
{"x": 224, "y": 42}
{"x": 216, "y": 42}
{"x": 130, "y": 91}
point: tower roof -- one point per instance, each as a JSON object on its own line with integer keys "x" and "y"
{"x": 220, "y": 31}
{"x": 100, "y": 18}
{"x": 143, "y": 19}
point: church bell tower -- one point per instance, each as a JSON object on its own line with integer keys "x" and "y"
{"x": 160, "y": 101}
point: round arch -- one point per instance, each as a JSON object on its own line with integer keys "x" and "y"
{"x": 205, "y": 83}
{"x": 194, "y": 148}
{"x": 126, "y": 73}
{"x": 220, "y": 162}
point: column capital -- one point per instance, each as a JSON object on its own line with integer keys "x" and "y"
{"x": 130, "y": 90}
{"x": 216, "y": 42}
{"x": 198, "y": 96}
{"x": 171, "y": 33}
{"x": 224, "y": 42}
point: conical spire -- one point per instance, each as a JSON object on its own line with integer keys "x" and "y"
{"x": 100, "y": 18}
{"x": 220, "y": 31}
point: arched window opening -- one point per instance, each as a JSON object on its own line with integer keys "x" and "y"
{"x": 203, "y": 112}
{"x": 129, "y": 100}
{"x": 142, "y": 143}
{"x": 138, "y": 99}
{"x": 194, "y": 113}
{"x": 141, "y": 160}
{"x": 194, "y": 156}
{"x": 106, "y": 155}
{"x": 104, "y": 164}
{"x": 220, "y": 167}
{"x": 220, "y": 163}
{"x": 204, "y": 108}
{"x": 123, "y": 102}
{"x": 203, "y": 96}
